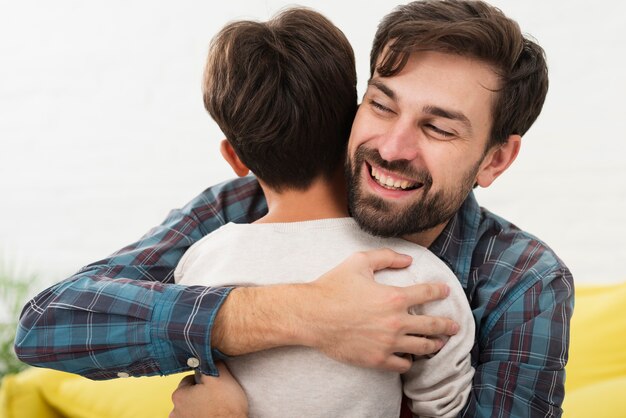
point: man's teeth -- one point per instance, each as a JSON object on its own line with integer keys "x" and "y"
{"x": 389, "y": 181}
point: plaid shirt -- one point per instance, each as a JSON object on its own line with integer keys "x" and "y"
{"x": 124, "y": 314}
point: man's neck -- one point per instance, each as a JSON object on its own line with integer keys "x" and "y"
{"x": 322, "y": 200}
{"x": 426, "y": 238}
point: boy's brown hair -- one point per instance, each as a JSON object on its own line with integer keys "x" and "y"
{"x": 477, "y": 30}
{"x": 283, "y": 93}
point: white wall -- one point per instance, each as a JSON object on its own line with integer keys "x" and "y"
{"x": 102, "y": 128}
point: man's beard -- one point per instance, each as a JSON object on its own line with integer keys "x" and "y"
{"x": 380, "y": 217}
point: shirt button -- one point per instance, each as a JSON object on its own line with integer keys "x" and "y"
{"x": 193, "y": 362}
{"x": 123, "y": 374}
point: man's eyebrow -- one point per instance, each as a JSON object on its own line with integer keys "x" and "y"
{"x": 448, "y": 114}
{"x": 383, "y": 88}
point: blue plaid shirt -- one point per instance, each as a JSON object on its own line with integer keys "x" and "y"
{"x": 125, "y": 314}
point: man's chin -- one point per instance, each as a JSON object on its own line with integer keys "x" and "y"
{"x": 379, "y": 217}
{"x": 399, "y": 218}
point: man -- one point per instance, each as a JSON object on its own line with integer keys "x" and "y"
{"x": 454, "y": 87}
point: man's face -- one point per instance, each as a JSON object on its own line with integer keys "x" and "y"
{"x": 418, "y": 143}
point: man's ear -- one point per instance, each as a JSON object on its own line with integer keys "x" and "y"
{"x": 232, "y": 159}
{"x": 497, "y": 160}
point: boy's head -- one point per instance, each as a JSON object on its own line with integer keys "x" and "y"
{"x": 284, "y": 94}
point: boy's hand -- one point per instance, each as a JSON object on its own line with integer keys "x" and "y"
{"x": 213, "y": 397}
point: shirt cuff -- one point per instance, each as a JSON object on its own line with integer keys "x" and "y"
{"x": 183, "y": 319}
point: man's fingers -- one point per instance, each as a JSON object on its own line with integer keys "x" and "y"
{"x": 426, "y": 292}
{"x": 397, "y": 364}
{"x": 419, "y": 346}
{"x": 385, "y": 258}
{"x": 431, "y": 325}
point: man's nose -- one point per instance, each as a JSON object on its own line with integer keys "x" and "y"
{"x": 401, "y": 142}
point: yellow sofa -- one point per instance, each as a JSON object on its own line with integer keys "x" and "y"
{"x": 595, "y": 386}
{"x": 596, "y": 372}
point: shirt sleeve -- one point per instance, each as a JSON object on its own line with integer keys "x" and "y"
{"x": 124, "y": 316}
{"x": 523, "y": 349}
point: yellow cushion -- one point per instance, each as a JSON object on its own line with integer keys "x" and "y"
{"x": 20, "y": 394}
{"x": 597, "y": 336}
{"x": 601, "y": 399}
{"x": 147, "y": 397}
{"x": 595, "y": 385}
{"x": 45, "y": 393}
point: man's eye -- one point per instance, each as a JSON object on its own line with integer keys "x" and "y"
{"x": 440, "y": 132}
{"x": 378, "y": 106}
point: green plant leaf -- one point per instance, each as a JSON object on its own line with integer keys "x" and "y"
{"x": 14, "y": 291}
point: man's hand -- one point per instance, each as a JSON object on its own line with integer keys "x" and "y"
{"x": 213, "y": 397}
{"x": 345, "y": 314}
{"x": 361, "y": 322}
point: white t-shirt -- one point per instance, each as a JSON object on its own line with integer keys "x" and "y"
{"x": 299, "y": 381}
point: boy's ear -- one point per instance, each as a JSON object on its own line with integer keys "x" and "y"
{"x": 232, "y": 159}
{"x": 497, "y": 160}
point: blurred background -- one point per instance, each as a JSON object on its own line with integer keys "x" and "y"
{"x": 103, "y": 131}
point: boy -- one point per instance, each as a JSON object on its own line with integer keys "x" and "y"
{"x": 283, "y": 92}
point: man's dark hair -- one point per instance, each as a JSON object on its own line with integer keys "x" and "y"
{"x": 477, "y": 30}
{"x": 284, "y": 94}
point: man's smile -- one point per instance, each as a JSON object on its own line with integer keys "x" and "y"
{"x": 384, "y": 180}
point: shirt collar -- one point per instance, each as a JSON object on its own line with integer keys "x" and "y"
{"x": 456, "y": 242}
